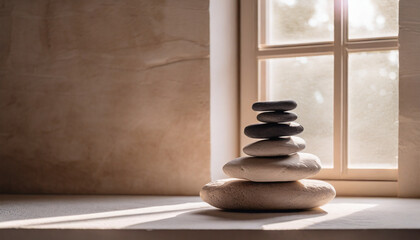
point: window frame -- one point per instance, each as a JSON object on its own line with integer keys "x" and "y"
{"x": 347, "y": 181}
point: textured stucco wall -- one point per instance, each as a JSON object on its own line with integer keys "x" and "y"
{"x": 104, "y": 96}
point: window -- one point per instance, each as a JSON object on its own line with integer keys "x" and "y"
{"x": 339, "y": 60}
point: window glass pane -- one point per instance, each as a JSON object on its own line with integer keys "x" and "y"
{"x": 373, "y": 18}
{"x": 299, "y": 21}
{"x": 373, "y": 109}
{"x": 308, "y": 81}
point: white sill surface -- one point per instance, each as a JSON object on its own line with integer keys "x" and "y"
{"x": 173, "y": 217}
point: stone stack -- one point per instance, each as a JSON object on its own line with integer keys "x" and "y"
{"x": 272, "y": 177}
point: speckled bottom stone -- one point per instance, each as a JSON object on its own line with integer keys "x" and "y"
{"x": 238, "y": 194}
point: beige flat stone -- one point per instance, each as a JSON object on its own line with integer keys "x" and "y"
{"x": 238, "y": 194}
{"x": 274, "y": 169}
{"x": 275, "y": 147}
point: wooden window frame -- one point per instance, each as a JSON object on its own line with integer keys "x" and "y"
{"x": 365, "y": 182}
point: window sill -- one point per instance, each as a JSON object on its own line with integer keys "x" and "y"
{"x": 365, "y": 188}
{"x": 158, "y": 217}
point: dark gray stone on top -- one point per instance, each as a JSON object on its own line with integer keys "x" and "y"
{"x": 272, "y": 130}
{"x": 285, "y": 105}
{"x": 278, "y": 116}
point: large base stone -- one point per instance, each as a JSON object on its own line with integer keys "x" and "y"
{"x": 238, "y": 194}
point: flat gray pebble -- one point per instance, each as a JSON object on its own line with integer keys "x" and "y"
{"x": 272, "y": 130}
{"x": 274, "y": 117}
{"x": 285, "y": 105}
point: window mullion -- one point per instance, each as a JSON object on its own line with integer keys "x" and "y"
{"x": 344, "y": 59}
{"x": 372, "y": 45}
{"x": 295, "y": 51}
{"x": 338, "y": 87}
{"x": 263, "y": 30}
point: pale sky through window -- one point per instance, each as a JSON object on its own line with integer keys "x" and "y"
{"x": 372, "y": 80}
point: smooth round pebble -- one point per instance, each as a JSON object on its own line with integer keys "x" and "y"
{"x": 272, "y": 130}
{"x": 274, "y": 117}
{"x": 275, "y": 147}
{"x": 285, "y": 105}
{"x": 238, "y": 194}
{"x": 274, "y": 169}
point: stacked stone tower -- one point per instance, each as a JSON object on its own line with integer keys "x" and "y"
{"x": 272, "y": 177}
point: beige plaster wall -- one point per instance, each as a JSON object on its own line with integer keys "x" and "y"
{"x": 104, "y": 96}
